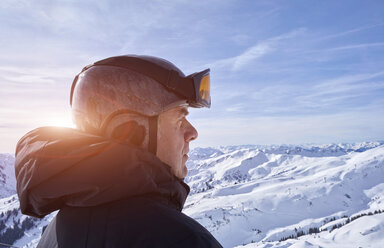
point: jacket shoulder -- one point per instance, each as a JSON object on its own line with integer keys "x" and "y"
{"x": 154, "y": 224}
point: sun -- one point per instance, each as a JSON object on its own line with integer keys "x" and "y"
{"x": 61, "y": 120}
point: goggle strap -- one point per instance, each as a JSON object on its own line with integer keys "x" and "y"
{"x": 173, "y": 79}
{"x": 169, "y": 78}
{"x": 184, "y": 86}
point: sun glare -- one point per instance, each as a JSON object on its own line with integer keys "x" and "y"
{"x": 63, "y": 121}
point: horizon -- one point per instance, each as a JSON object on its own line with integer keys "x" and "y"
{"x": 303, "y": 145}
{"x": 281, "y": 73}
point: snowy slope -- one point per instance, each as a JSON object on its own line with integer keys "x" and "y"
{"x": 18, "y": 229}
{"x": 258, "y": 196}
{"x": 15, "y": 228}
{"x": 7, "y": 175}
{"x": 364, "y": 232}
{"x": 263, "y": 196}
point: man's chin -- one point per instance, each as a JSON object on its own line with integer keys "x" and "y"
{"x": 183, "y": 171}
{"x": 184, "y": 175}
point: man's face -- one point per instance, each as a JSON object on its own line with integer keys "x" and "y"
{"x": 174, "y": 135}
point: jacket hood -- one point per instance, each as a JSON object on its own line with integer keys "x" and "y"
{"x": 63, "y": 166}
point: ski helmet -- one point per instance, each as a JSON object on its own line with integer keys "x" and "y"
{"x": 137, "y": 84}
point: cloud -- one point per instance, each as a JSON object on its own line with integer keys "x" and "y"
{"x": 33, "y": 89}
{"x": 350, "y": 126}
{"x": 350, "y": 83}
{"x": 72, "y": 30}
{"x": 255, "y": 52}
{"x": 341, "y": 92}
{"x": 36, "y": 75}
{"x": 357, "y": 46}
{"x": 351, "y": 31}
{"x": 250, "y": 54}
{"x": 349, "y": 79}
{"x": 292, "y": 96}
{"x": 235, "y": 107}
{"x": 238, "y": 62}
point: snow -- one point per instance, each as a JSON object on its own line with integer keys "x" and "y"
{"x": 7, "y": 175}
{"x": 258, "y": 196}
{"x": 364, "y": 232}
{"x": 9, "y": 203}
{"x": 10, "y": 213}
{"x": 261, "y": 195}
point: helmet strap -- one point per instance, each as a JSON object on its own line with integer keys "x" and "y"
{"x": 152, "y": 142}
{"x": 129, "y": 132}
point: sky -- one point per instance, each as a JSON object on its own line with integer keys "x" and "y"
{"x": 282, "y": 72}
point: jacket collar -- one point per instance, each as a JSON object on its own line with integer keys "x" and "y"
{"x": 62, "y": 166}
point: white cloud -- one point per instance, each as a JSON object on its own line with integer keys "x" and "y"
{"x": 337, "y": 90}
{"x": 238, "y": 62}
{"x": 37, "y": 75}
{"x": 349, "y": 79}
{"x": 342, "y": 127}
{"x": 357, "y": 46}
{"x": 235, "y": 108}
{"x": 251, "y": 54}
{"x": 351, "y": 31}
{"x": 255, "y": 52}
{"x": 341, "y": 93}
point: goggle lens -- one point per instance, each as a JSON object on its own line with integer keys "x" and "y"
{"x": 204, "y": 90}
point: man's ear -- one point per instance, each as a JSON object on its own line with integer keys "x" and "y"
{"x": 129, "y": 132}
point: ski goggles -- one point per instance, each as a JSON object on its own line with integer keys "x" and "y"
{"x": 195, "y": 88}
{"x": 200, "y": 95}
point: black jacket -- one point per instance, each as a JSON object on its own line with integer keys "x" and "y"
{"x": 108, "y": 194}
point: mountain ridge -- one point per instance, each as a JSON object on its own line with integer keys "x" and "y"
{"x": 262, "y": 196}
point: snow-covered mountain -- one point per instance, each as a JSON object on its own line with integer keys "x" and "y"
{"x": 7, "y": 175}
{"x": 266, "y": 196}
{"x": 15, "y": 228}
{"x": 257, "y": 196}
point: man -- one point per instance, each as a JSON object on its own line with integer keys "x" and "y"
{"x": 117, "y": 180}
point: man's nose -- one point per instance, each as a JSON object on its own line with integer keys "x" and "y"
{"x": 190, "y": 132}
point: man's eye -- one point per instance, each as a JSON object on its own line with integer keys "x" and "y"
{"x": 180, "y": 123}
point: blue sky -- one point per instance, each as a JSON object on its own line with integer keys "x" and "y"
{"x": 282, "y": 72}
